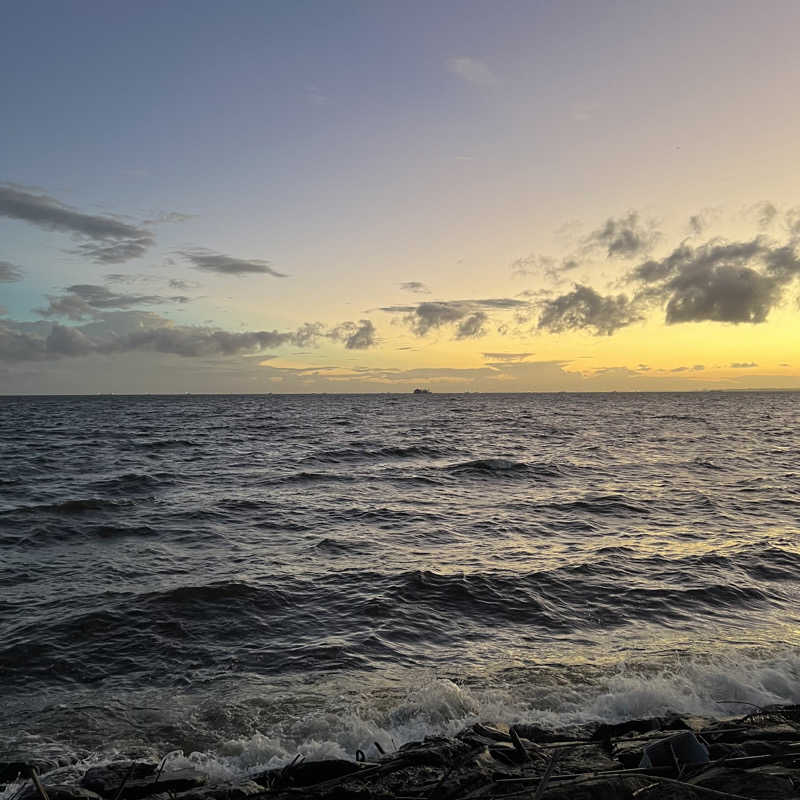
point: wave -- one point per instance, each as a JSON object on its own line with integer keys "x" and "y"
{"x": 379, "y": 453}
{"x": 504, "y": 468}
{"x": 231, "y": 737}
{"x": 72, "y": 506}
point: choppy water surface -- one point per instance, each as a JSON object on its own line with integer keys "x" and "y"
{"x": 245, "y": 576}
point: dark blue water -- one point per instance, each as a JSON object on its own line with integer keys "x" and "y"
{"x": 243, "y": 576}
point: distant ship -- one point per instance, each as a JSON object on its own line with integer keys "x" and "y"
{"x": 422, "y": 391}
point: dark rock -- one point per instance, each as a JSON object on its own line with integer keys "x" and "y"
{"x": 223, "y": 791}
{"x": 717, "y": 750}
{"x": 435, "y": 751}
{"x": 20, "y": 764}
{"x": 106, "y": 780}
{"x": 755, "y": 784}
{"x": 611, "y": 788}
{"x": 757, "y": 747}
{"x": 307, "y": 773}
{"x": 634, "y": 726}
{"x": 139, "y": 779}
{"x": 58, "y": 792}
{"x": 533, "y": 733}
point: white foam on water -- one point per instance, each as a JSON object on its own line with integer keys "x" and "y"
{"x": 724, "y": 686}
{"x": 337, "y": 726}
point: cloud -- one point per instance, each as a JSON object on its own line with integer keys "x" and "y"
{"x": 469, "y": 316}
{"x": 9, "y": 272}
{"x": 84, "y": 300}
{"x": 585, "y": 309}
{"x": 123, "y": 331}
{"x": 359, "y": 336}
{"x": 719, "y": 281}
{"x": 472, "y": 71}
{"x": 110, "y": 240}
{"x": 538, "y": 265}
{"x": 506, "y": 356}
{"x": 743, "y": 364}
{"x": 210, "y": 261}
{"x": 697, "y": 224}
{"x": 764, "y": 213}
{"x": 625, "y": 237}
{"x": 473, "y": 326}
{"x": 183, "y": 285}
{"x": 793, "y": 221}
{"x": 416, "y": 287}
{"x": 168, "y": 217}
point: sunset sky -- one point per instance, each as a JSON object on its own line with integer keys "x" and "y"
{"x": 373, "y": 196}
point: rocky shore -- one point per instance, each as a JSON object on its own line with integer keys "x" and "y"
{"x": 678, "y": 758}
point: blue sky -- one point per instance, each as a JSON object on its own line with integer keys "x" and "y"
{"x": 359, "y": 147}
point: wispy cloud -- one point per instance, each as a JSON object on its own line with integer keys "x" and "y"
{"x": 415, "y": 287}
{"x": 210, "y": 261}
{"x": 9, "y": 273}
{"x": 472, "y": 70}
{"x": 86, "y": 300}
{"x": 109, "y": 240}
{"x": 506, "y": 356}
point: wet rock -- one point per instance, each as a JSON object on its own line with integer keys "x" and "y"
{"x": 106, "y": 780}
{"x": 435, "y": 751}
{"x": 138, "y": 779}
{"x": 58, "y": 792}
{"x": 584, "y": 758}
{"x": 307, "y": 773}
{"x": 613, "y": 788}
{"x": 19, "y": 765}
{"x": 748, "y": 783}
{"x": 718, "y": 750}
{"x": 223, "y": 791}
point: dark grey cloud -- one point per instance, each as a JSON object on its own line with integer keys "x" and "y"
{"x": 506, "y": 356}
{"x": 85, "y": 300}
{"x": 585, "y": 309}
{"x": 625, "y": 237}
{"x": 743, "y": 364}
{"x": 356, "y": 336}
{"x": 469, "y": 316}
{"x": 111, "y": 240}
{"x": 417, "y": 287}
{"x": 9, "y": 272}
{"x": 718, "y": 281}
{"x": 210, "y": 261}
{"x": 473, "y": 327}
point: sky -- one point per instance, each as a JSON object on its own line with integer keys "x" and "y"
{"x": 377, "y": 196}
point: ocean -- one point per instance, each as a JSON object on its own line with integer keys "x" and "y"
{"x": 242, "y": 578}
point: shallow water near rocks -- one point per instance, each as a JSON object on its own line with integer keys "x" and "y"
{"x": 246, "y": 577}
